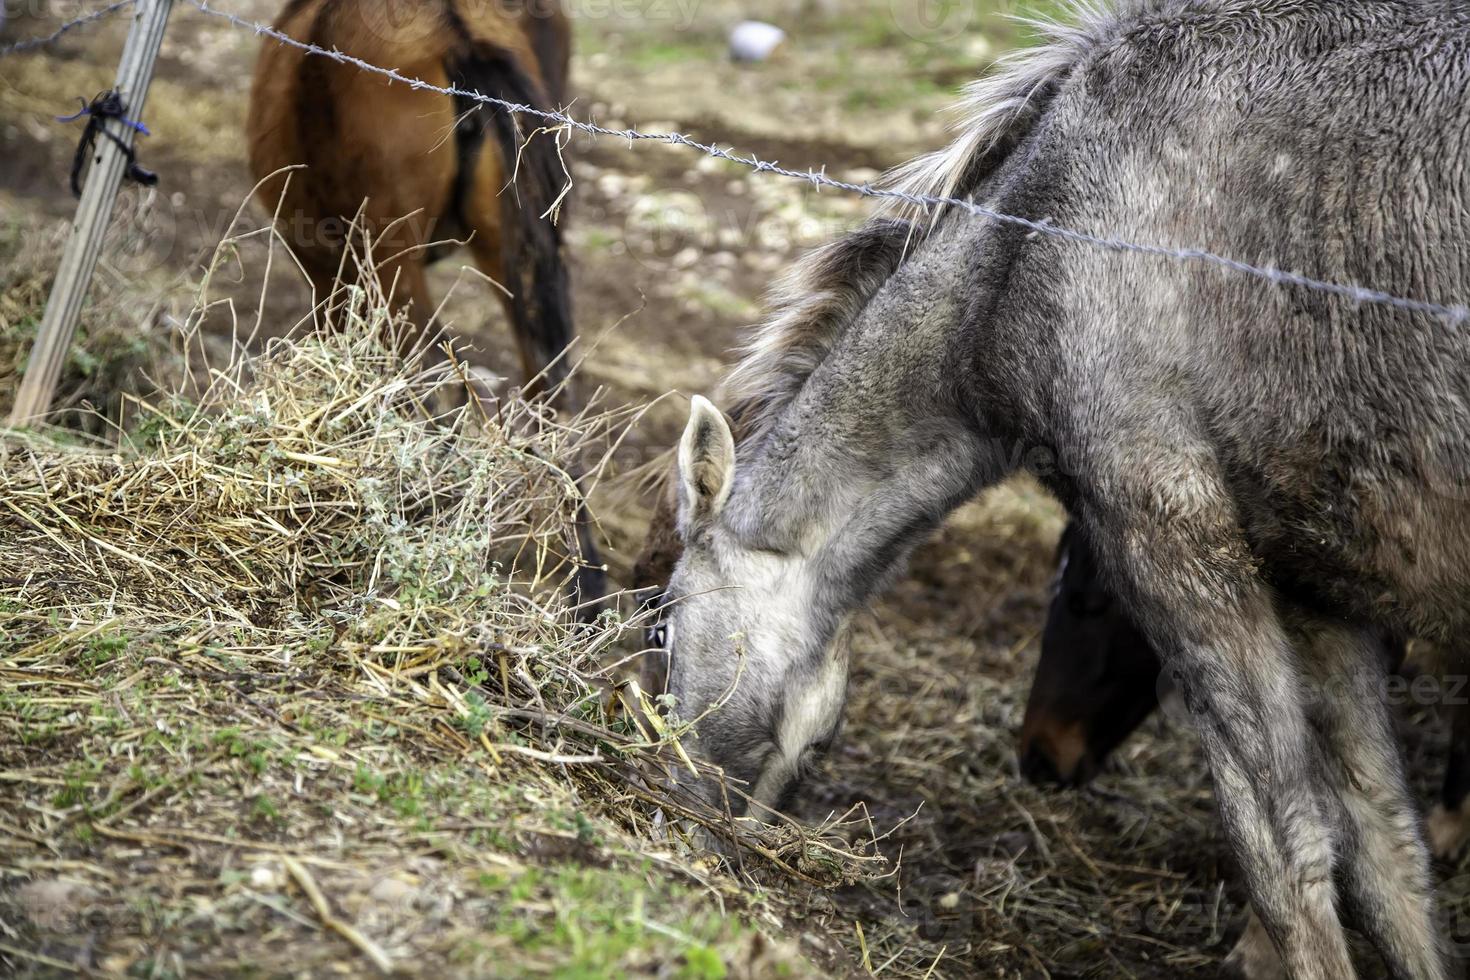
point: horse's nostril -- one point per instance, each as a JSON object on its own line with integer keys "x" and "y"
{"x": 1037, "y": 766}
{"x": 1057, "y": 752}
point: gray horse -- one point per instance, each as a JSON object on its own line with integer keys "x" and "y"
{"x": 1274, "y": 471}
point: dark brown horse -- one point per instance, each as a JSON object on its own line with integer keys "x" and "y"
{"x": 1098, "y": 678}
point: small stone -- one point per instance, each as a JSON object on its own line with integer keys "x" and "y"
{"x": 754, "y": 40}
{"x": 266, "y": 878}
{"x": 394, "y": 894}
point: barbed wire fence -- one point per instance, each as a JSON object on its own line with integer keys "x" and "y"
{"x": 1454, "y": 314}
{"x": 56, "y": 35}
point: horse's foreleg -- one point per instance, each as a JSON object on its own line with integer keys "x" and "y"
{"x": 1184, "y": 569}
{"x": 1383, "y": 863}
{"x": 535, "y": 307}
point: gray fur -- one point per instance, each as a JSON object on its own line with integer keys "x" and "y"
{"x": 1270, "y": 471}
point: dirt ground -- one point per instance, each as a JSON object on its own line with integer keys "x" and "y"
{"x": 672, "y": 253}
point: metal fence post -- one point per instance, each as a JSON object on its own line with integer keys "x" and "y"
{"x": 89, "y": 227}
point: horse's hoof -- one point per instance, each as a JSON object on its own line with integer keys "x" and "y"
{"x": 1448, "y": 831}
{"x": 1254, "y": 956}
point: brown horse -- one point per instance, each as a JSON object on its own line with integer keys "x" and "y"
{"x": 416, "y": 167}
{"x": 1098, "y": 678}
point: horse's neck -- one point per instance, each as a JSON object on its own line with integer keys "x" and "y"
{"x": 876, "y": 449}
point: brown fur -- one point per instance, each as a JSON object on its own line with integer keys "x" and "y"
{"x": 393, "y": 156}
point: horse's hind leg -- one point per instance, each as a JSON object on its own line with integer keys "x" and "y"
{"x": 543, "y": 365}
{"x": 532, "y": 288}
{"x": 1383, "y": 864}
{"x": 510, "y": 203}
{"x": 1186, "y": 573}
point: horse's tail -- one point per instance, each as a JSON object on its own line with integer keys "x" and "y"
{"x": 534, "y": 267}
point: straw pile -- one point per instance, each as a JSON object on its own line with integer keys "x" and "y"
{"x": 296, "y": 656}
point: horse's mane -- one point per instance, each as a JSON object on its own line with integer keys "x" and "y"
{"x": 814, "y": 304}
{"x": 998, "y": 110}
{"x": 811, "y": 306}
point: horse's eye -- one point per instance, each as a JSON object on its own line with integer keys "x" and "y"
{"x": 657, "y": 636}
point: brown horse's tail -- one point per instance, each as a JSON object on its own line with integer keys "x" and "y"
{"x": 530, "y": 240}
{"x": 534, "y": 269}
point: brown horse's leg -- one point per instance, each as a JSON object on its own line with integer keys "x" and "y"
{"x": 510, "y": 205}
{"x": 532, "y": 288}
{"x": 1449, "y": 821}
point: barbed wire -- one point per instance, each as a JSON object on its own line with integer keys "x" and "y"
{"x": 37, "y": 42}
{"x": 1455, "y": 314}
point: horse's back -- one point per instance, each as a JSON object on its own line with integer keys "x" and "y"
{"x": 371, "y": 144}
{"x": 1326, "y": 139}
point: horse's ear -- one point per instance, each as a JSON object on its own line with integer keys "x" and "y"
{"x": 706, "y": 464}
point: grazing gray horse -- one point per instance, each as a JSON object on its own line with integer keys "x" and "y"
{"x": 1273, "y": 471}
